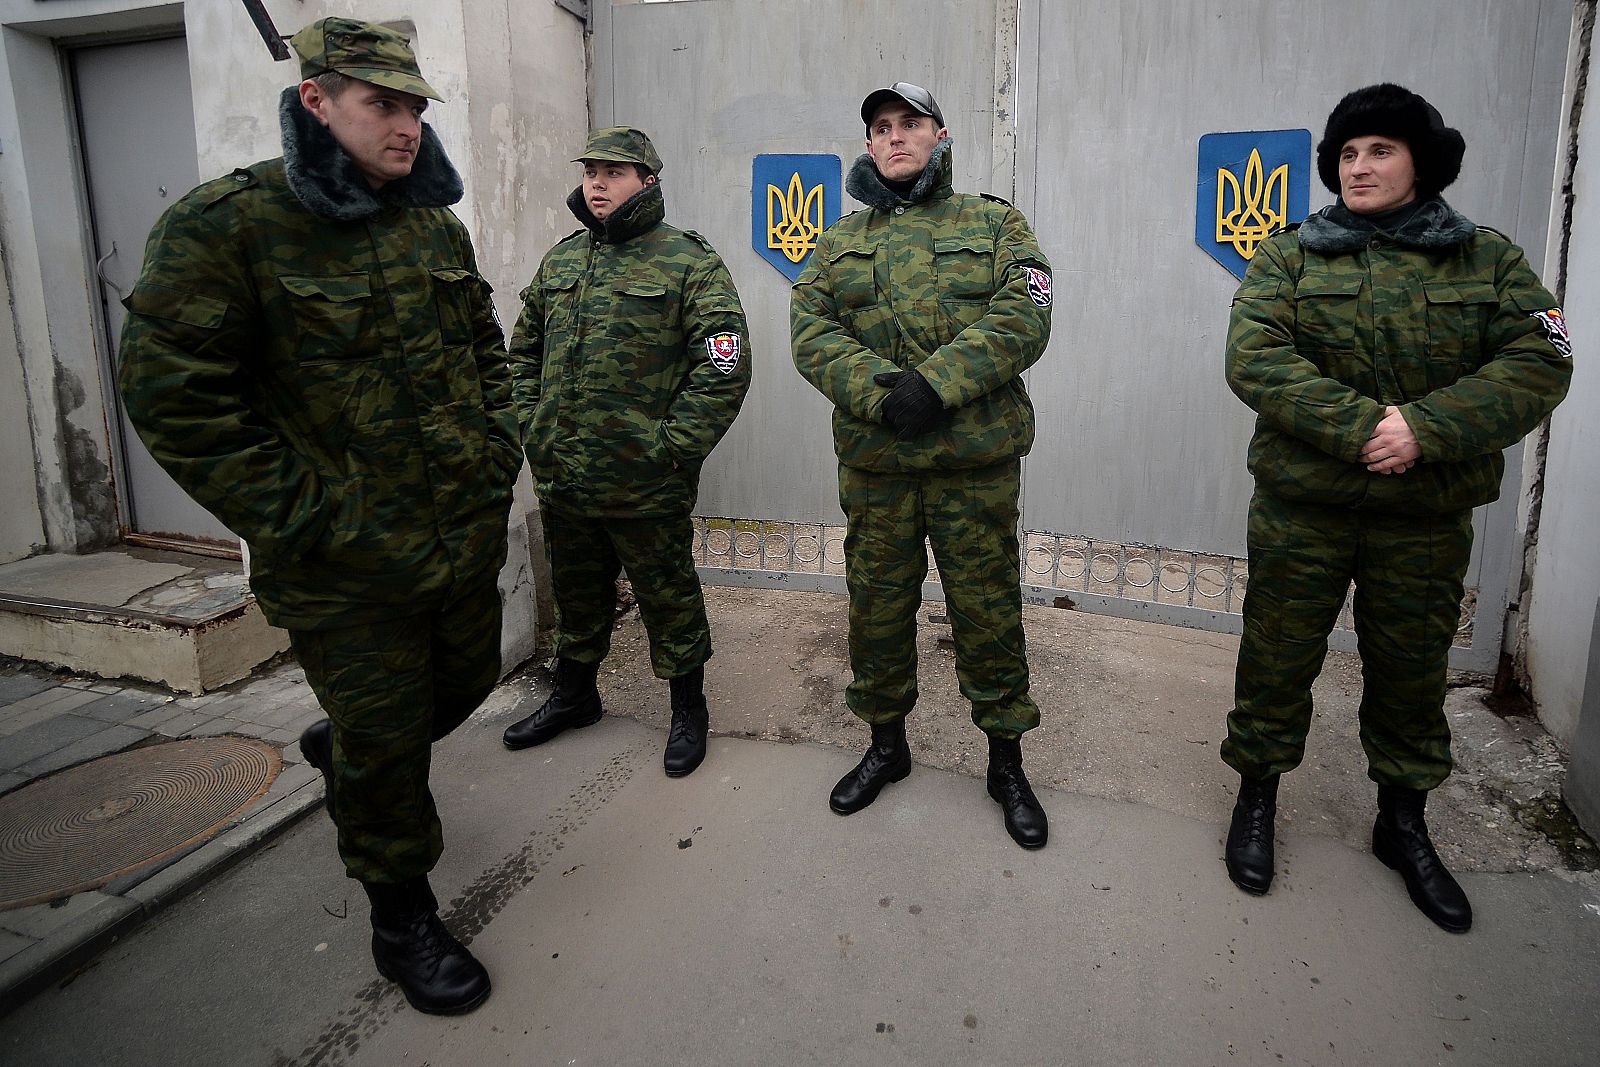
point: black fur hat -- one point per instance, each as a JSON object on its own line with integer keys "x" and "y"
{"x": 1387, "y": 110}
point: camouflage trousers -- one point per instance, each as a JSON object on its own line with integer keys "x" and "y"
{"x": 392, "y": 688}
{"x": 587, "y": 555}
{"x": 1408, "y": 572}
{"x": 970, "y": 516}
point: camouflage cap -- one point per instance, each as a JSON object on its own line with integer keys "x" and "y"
{"x": 621, "y": 144}
{"x": 361, "y": 50}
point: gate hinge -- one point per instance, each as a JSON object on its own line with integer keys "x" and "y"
{"x": 578, "y": 8}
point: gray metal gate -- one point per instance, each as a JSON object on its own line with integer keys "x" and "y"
{"x": 1088, "y": 118}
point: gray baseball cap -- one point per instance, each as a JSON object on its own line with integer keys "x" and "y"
{"x": 915, "y": 96}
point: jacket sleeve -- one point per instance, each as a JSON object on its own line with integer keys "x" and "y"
{"x": 825, "y": 352}
{"x": 494, "y": 375}
{"x": 185, "y": 367}
{"x": 705, "y": 407}
{"x": 1288, "y": 390}
{"x": 1524, "y": 375}
{"x": 1012, "y": 333}
{"x": 526, "y": 353}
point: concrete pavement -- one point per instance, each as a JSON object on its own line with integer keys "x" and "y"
{"x": 730, "y": 918}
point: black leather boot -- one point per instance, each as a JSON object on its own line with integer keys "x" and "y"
{"x": 316, "y": 745}
{"x": 686, "y": 739}
{"x": 575, "y": 703}
{"x": 1008, "y": 785}
{"x": 1249, "y": 851}
{"x": 413, "y": 949}
{"x": 1400, "y": 839}
{"x": 888, "y": 759}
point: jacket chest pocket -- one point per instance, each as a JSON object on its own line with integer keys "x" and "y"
{"x": 458, "y": 295}
{"x": 333, "y": 316}
{"x": 1326, "y": 312}
{"x": 1458, "y": 317}
{"x": 638, "y": 308}
{"x": 559, "y": 292}
{"x": 852, "y": 275}
{"x": 964, "y": 269}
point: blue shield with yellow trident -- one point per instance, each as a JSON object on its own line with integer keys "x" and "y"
{"x": 793, "y": 198}
{"x": 1250, "y": 185}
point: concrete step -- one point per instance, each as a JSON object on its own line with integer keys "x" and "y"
{"x": 182, "y": 620}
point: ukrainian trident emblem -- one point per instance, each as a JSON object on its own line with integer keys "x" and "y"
{"x": 793, "y": 199}
{"x": 1250, "y": 185}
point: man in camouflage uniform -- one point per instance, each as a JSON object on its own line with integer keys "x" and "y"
{"x": 630, "y": 360}
{"x": 1392, "y": 349}
{"x": 916, "y": 318}
{"x": 311, "y": 353}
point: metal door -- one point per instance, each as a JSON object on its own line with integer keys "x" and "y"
{"x": 1088, "y": 117}
{"x": 136, "y": 122}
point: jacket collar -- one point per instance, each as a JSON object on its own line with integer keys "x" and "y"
{"x": 866, "y": 184}
{"x": 1338, "y": 229}
{"x": 640, "y": 213}
{"x": 327, "y": 182}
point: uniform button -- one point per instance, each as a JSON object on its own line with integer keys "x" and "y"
{"x": 899, "y": 211}
{"x": 1377, "y": 242}
{"x": 241, "y": 177}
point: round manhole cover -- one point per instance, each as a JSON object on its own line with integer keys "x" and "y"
{"x": 93, "y": 823}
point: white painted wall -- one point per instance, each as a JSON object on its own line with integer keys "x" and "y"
{"x": 1566, "y": 573}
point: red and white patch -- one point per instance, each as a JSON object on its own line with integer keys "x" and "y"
{"x": 1555, "y": 330}
{"x": 723, "y": 348}
{"x": 1038, "y": 286}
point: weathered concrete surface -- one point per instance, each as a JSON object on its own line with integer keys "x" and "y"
{"x": 730, "y": 918}
{"x": 1131, "y": 711}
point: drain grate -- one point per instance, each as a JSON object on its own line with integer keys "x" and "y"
{"x": 90, "y": 824}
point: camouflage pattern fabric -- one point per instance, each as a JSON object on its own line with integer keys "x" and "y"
{"x": 630, "y": 360}
{"x": 362, "y": 50}
{"x": 1408, "y": 572}
{"x": 970, "y": 516}
{"x": 1333, "y": 321}
{"x": 940, "y": 285}
{"x": 955, "y": 287}
{"x": 335, "y": 391}
{"x": 392, "y": 688}
{"x": 587, "y": 555}
{"x": 1320, "y": 342}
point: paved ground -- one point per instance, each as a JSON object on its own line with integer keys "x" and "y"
{"x": 50, "y": 721}
{"x": 730, "y": 918}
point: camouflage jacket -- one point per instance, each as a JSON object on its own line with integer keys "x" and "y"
{"x": 1443, "y": 319}
{"x": 948, "y": 283}
{"x": 320, "y": 367}
{"x": 630, "y": 360}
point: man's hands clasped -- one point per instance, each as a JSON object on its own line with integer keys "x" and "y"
{"x": 1392, "y": 448}
{"x": 912, "y": 407}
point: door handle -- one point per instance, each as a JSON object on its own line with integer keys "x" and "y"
{"x": 100, "y": 272}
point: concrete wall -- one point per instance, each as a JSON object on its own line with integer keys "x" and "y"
{"x": 511, "y": 116}
{"x": 1566, "y": 572}
{"x": 21, "y": 525}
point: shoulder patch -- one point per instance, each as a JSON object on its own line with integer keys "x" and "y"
{"x": 1554, "y": 322}
{"x": 996, "y": 199}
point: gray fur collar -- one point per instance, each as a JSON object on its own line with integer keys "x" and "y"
{"x": 327, "y": 182}
{"x": 866, "y": 184}
{"x": 1338, "y": 229}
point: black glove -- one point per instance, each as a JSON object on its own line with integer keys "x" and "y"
{"x": 912, "y": 407}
